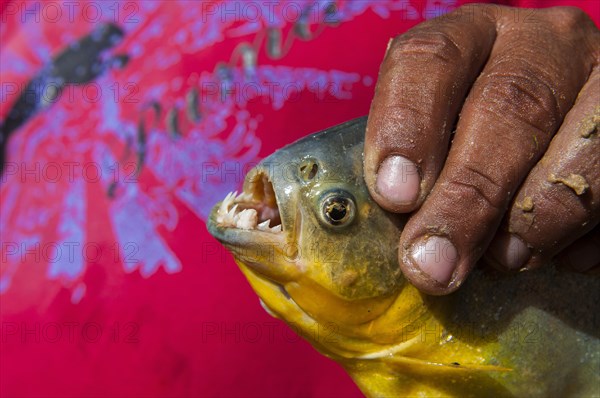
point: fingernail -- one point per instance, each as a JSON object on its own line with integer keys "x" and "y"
{"x": 435, "y": 256}
{"x": 510, "y": 251}
{"x": 398, "y": 180}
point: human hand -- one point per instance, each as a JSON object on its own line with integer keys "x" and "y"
{"x": 521, "y": 180}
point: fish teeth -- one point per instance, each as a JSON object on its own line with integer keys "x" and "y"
{"x": 240, "y": 197}
{"x": 246, "y": 219}
{"x": 224, "y": 208}
{"x": 244, "y": 197}
{"x": 222, "y": 216}
{"x": 264, "y": 226}
{"x": 231, "y": 213}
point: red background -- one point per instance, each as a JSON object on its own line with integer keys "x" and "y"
{"x": 200, "y": 331}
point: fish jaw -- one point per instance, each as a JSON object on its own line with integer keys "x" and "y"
{"x": 250, "y": 227}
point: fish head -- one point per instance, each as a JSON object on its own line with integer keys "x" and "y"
{"x": 307, "y": 234}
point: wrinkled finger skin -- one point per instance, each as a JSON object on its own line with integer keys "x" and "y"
{"x": 476, "y": 114}
{"x": 559, "y": 200}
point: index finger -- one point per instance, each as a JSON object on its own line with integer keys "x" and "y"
{"x": 424, "y": 78}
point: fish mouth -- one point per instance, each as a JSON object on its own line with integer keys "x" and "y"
{"x": 256, "y": 229}
{"x": 251, "y": 217}
{"x": 255, "y": 209}
{"x": 250, "y": 225}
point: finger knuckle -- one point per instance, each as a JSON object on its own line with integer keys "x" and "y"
{"x": 522, "y": 96}
{"x": 573, "y": 191}
{"x": 573, "y": 24}
{"x": 473, "y": 184}
{"x": 437, "y": 44}
{"x": 413, "y": 114}
{"x": 568, "y": 18}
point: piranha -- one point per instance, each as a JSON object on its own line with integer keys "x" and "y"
{"x": 322, "y": 256}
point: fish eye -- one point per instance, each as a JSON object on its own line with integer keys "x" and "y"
{"x": 308, "y": 170}
{"x": 338, "y": 209}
